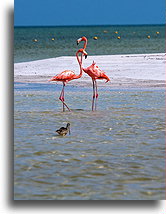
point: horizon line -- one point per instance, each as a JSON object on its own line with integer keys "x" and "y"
{"x": 95, "y": 25}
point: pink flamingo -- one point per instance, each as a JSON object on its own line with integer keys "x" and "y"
{"x": 68, "y": 75}
{"x": 95, "y": 73}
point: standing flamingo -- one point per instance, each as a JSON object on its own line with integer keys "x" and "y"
{"x": 68, "y": 75}
{"x": 95, "y": 73}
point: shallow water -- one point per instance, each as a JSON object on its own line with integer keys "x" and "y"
{"x": 114, "y": 153}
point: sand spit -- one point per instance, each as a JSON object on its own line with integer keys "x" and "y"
{"x": 132, "y": 70}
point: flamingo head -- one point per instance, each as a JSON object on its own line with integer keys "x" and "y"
{"x": 84, "y": 52}
{"x": 81, "y": 39}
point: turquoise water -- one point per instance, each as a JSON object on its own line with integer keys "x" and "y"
{"x": 117, "y": 152}
{"x": 133, "y": 40}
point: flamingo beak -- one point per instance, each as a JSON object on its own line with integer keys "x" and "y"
{"x": 79, "y": 40}
{"x": 85, "y": 53}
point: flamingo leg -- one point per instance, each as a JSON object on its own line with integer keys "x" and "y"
{"x": 62, "y": 99}
{"x": 93, "y": 95}
{"x": 96, "y": 95}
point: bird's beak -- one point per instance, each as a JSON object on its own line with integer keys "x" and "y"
{"x": 79, "y": 40}
{"x": 86, "y": 56}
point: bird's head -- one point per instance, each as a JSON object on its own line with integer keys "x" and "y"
{"x": 81, "y": 39}
{"x": 68, "y": 124}
{"x": 68, "y": 127}
{"x": 84, "y": 52}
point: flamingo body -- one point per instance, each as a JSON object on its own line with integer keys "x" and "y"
{"x": 64, "y": 76}
{"x": 95, "y": 72}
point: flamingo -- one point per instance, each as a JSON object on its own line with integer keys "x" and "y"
{"x": 95, "y": 73}
{"x": 69, "y": 75}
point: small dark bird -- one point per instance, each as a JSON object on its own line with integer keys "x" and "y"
{"x": 63, "y": 131}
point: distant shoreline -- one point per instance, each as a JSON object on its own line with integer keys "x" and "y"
{"x": 125, "y": 71}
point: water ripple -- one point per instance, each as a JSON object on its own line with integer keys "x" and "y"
{"x": 116, "y": 152}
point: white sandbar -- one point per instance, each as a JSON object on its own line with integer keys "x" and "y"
{"x": 132, "y": 70}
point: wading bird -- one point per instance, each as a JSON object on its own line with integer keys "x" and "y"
{"x": 68, "y": 75}
{"x": 63, "y": 131}
{"x": 95, "y": 73}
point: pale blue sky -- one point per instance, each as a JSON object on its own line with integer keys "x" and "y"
{"x": 88, "y": 12}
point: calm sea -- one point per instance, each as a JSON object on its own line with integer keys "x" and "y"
{"x": 117, "y": 152}
{"x": 61, "y": 41}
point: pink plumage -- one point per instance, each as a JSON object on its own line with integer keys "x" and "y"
{"x": 95, "y": 72}
{"x": 67, "y": 76}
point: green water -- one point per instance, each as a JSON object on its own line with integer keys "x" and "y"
{"x": 117, "y": 152}
{"x": 133, "y": 40}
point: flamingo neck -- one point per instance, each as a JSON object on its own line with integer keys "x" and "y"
{"x": 80, "y": 64}
{"x": 85, "y": 42}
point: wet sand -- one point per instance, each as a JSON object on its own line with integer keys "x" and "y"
{"x": 132, "y": 70}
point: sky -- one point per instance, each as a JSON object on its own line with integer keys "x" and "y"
{"x": 88, "y": 12}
